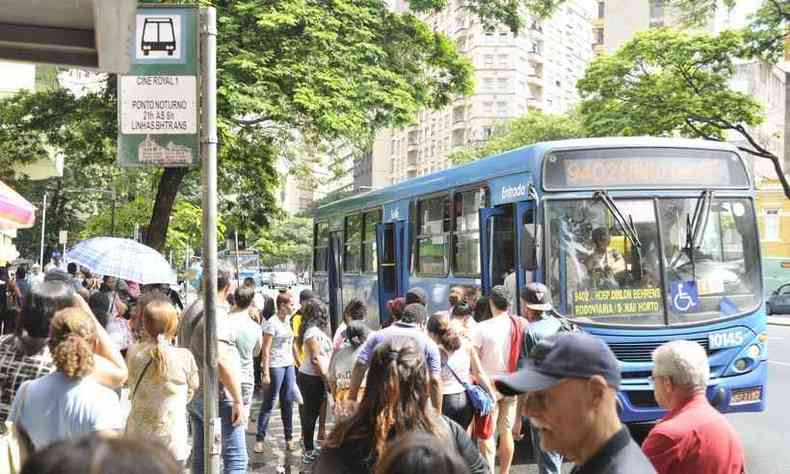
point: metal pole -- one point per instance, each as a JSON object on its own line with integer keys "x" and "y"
{"x": 212, "y": 433}
{"x": 43, "y": 226}
{"x": 236, "y": 238}
{"x": 112, "y": 224}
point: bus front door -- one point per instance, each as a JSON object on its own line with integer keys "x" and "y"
{"x": 335, "y": 278}
{"x": 389, "y": 243}
{"x": 507, "y": 248}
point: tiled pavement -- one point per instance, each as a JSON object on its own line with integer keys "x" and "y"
{"x": 276, "y": 460}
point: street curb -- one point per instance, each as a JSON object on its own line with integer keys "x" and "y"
{"x": 778, "y": 320}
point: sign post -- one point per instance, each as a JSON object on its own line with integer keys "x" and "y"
{"x": 212, "y": 433}
{"x": 158, "y": 98}
{"x": 63, "y": 238}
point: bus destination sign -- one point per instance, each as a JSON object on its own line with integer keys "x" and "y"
{"x": 629, "y": 168}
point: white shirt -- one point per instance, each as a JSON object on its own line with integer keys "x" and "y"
{"x": 491, "y": 339}
{"x": 281, "y": 352}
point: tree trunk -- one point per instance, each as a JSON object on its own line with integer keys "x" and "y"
{"x": 166, "y": 193}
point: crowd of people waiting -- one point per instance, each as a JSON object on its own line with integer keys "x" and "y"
{"x": 405, "y": 399}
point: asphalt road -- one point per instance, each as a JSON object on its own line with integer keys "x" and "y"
{"x": 766, "y": 436}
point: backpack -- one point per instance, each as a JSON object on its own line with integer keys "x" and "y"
{"x": 566, "y": 325}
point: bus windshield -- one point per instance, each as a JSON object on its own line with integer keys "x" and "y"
{"x": 598, "y": 272}
{"x": 719, "y": 272}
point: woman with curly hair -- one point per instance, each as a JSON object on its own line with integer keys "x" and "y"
{"x": 396, "y": 402}
{"x": 67, "y": 403}
{"x": 312, "y": 378}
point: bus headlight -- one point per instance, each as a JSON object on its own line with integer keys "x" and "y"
{"x": 741, "y": 364}
{"x": 753, "y": 351}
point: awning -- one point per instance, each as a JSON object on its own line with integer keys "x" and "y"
{"x": 15, "y": 211}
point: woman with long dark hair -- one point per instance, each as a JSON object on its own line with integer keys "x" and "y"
{"x": 460, "y": 363}
{"x": 397, "y": 401}
{"x": 313, "y": 378}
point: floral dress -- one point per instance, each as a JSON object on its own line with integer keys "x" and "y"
{"x": 159, "y": 406}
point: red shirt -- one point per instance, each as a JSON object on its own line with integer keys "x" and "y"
{"x": 695, "y": 439}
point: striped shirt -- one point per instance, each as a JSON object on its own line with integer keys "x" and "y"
{"x": 17, "y": 367}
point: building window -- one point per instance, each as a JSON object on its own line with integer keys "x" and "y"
{"x": 458, "y": 114}
{"x": 466, "y": 239}
{"x": 502, "y": 84}
{"x": 458, "y": 137}
{"x": 772, "y": 225}
{"x": 320, "y": 246}
{"x": 433, "y": 224}
{"x": 488, "y": 60}
{"x": 488, "y": 108}
{"x": 352, "y": 240}
{"x": 488, "y": 84}
{"x": 657, "y": 13}
{"x": 370, "y": 220}
{"x": 599, "y": 36}
{"x": 503, "y": 61}
{"x": 601, "y": 10}
{"x": 501, "y": 109}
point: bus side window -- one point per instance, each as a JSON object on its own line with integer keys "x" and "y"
{"x": 352, "y": 254}
{"x": 320, "y": 246}
{"x": 433, "y": 232}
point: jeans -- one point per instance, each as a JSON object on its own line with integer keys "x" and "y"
{"x": 234, "y": 447}
{"x": 548, "y": 462}
{"x": 283, "y": 385}
{"x": 456, "y": 407}
{"x": 313, "y": 393}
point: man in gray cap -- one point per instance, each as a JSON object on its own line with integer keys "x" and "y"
{"x": 571, "y": 382}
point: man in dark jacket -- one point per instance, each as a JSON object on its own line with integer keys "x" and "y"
{"x": 571, "y": 380}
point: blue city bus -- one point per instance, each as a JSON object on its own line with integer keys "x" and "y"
{"x": 676, "y": 253}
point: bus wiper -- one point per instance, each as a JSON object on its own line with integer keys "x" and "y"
{"x": 695, "y": 228}
{"x": 626, "y": 225}
{"x": 629, "y": 231}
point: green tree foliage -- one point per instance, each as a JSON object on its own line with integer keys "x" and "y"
{"x": 319, "y": 70}
{"x": 666, "y": 82}
{"x": 765, "y": 33}
{"x": 535, "y": 126}
{"x": 287, "y": 241}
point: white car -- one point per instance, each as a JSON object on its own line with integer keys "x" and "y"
{"x": 282, "y": 280}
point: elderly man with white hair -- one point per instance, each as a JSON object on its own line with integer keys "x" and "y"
{"x": 693, "y": 437}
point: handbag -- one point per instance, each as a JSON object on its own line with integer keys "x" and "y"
{"x": 481, "y": 401}
{"x": 14, "y": 447}
{"x": 140, "y": 378}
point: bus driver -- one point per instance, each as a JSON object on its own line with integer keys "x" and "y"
{"x": 604, "y": 263}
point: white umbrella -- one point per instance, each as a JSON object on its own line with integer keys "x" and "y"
{"x": 122, "y": 258}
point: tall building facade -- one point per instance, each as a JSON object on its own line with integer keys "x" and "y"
{"x": 536, "y": 69}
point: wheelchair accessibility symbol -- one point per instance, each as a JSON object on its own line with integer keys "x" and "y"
{"x": 685, "y": 296}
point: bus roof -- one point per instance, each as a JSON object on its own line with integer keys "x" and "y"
{"x": 526, "y": 159}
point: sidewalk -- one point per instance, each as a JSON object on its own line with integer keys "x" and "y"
{"x": 779, "y": 320}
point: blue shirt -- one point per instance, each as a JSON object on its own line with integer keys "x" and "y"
{"x": 57, "y": 408}
{"x": 399, "y": 329}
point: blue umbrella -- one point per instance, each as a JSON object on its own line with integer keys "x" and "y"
{"x": 122, "y": 258}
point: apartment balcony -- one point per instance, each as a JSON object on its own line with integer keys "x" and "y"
{"x": 535, "y": 57}
{"x": 535, "y": 80}
{"x": 534, "y": 103}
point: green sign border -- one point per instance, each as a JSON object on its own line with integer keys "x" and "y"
{"x": 128, "y": 143}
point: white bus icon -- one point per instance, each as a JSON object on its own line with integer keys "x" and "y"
{"x": 158, "y": 35}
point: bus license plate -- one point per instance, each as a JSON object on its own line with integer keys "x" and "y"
{"x": 745, "y": 395}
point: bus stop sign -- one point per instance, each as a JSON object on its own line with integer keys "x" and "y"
{"x": 158, "y": 99}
